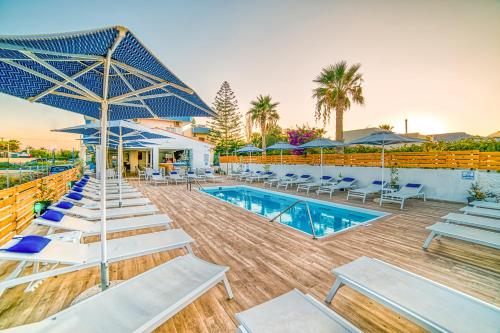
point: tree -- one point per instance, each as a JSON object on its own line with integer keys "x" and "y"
{"x": 274, "y": 134}
{"x": 11, "y": 145}
{"x": 303, "y": 134}
{"x": 225, "y": 127}
{"x": 339, "y": 87}
{"x": 386, "y": 127}
{"x": 263, "y": 114}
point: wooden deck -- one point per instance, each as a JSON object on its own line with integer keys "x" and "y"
{"x": 267, "y": 260}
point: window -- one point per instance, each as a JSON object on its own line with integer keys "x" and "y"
{"x": 139, "y": 155}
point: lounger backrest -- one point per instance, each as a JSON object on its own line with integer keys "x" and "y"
{"x": 411, "y": 188}
{"x": 326, "y": 178}
{"x": 376, "y": 184}
{"x": 289, "y": 175}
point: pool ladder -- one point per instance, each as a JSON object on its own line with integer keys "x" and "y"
{"x": 308, "y": 214}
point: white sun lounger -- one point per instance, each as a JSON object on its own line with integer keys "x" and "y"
{"x": 96, "y": 196}
{"x": 81, "y": 256}
{"x": 286, "y": 180}
{"x": 109, "y": 190}
{"x": 344, "y": 184}
{"x": 303, "y": 179}
{"x": 406, "y": 192}
{"x": 111, "y": 213}
{"x": 325, "y": 180}
{"x": 433, "y": 306}
{"x": 94, "y": 204}
{"x": 89, "y": 228}
{"x": 471, "y": 235}
{"x": 260, "y": 176}
{"x": 472, "y": 221}
{"x": 486, "y": 204}
{"x": 293, "y": 312}
{"x": 140, "y": 304}
{"x": 209, "y": 175}
{"x": 374, "y": 188}
{"x": 494, "y": 213}
{"x": 108, "y": 181}
{"x": 253, "y": 176}
{"x": 174, "y": 176}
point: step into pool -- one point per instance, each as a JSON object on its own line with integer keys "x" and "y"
{"x": 328, "y": 218}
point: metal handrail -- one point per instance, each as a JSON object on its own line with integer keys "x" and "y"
{"x": 190, "y": 180}
{"x": 308, "y": 214}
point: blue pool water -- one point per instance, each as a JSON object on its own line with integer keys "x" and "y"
{"x": 328, "y": 218}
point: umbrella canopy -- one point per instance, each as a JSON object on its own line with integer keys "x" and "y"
{"x": 281, "y": 146}
{"x": 105, "y": 74}
{"x": 249, "y": 149}
{"x": 383, "y": 138}
{"x": 321, "y": 143}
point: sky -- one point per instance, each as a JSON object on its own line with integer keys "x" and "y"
{"x": 436, "y": 63}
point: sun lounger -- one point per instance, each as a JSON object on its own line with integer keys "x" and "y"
{"x": 260, "y": 176}
{"x": 174, "y": 176}
{"x": 472, "y": 221}
{"x": 254, "y": 175}
{"x": 209, "y": 175}
{"x": 89, "y": 228}
{"x": 109, "y": 190}
{"x": 471, "y": 235}
{"x": 111, "y": 213}
{"x": 81, "y": 256}
{"x": 406, "y": 192}
{"x": 112, "y": 196}
{"x": 159, "y": 179}
{"x": 233, "y": 175}
{"x": 275, "y": 179}
{"x": 485, "y": 204}
{"x": 140, "y": 304}
{"x": 433, "y": 306}
{"x": 325, "y": 180}
{"x": 287, "y": 180}
{"x": 293, "y": 312}
{"x": 193, "y": 175}
{"x": 94, "y": 204}
{"x": 374, "y": 188}
{"x": 344, "y": 184}
{"x": 303, "y": 179}
{"x": 245, "y": 174}
{"x": 494, "y": 213}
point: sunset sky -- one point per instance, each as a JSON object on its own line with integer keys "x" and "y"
{"x": 436, "y": 63}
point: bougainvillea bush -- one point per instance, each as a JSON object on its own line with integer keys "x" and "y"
{"x": 302, "y": 135}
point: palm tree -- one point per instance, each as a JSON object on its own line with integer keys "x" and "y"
{"x": 339, "y": 86}
{"x": 263, "y": 114}
{"x": 386, "y": 127}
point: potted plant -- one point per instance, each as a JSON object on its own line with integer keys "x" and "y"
{"x": 393, "y": 182}
{"x": 475, "y": 193}
{"x": 45, "y": 197}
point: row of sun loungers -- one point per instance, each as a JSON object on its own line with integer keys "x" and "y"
{"x": 176, "y": 177}
{"x": 432, "y": 306}
{"x": 164, "y": 290}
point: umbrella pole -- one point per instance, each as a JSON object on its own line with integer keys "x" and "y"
{"x": 281, "y": 162}
{"x": 383, "y": 165}
{"x": 104, "y": 248}
{"x": 321, "y": 163}
{"x": 120, "y": 163}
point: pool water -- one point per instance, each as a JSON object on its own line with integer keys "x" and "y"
{"x": 328, "y": 218}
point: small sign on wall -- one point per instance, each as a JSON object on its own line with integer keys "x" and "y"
{"x": 468, "y": 175}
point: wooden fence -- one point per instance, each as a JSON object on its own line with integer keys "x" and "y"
{"x": 17, "y": 203}
{"x": 471, "y": 159}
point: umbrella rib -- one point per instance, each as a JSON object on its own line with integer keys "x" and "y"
{"x": 43, "y": 76}
{"x": 133, "y": 90}
{"x": 138, "y": 91}
{"x": 11, "y": 47}
{"x": 54, "y": 70}
{"x": 50, "y": 90}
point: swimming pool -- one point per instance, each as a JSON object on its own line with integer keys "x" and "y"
{"x": 328, "y": 218}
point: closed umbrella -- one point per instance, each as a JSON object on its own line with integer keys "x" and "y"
{"x": 321, "y": 143}
{"x": 105, "y": 74}
{"x": 383, "y": 138}
{"x": 249, "y": 149}
{"x": 281, "y": 146}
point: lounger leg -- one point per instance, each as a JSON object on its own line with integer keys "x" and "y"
{"x": 428, "y": 240}
{"x": 364, "y": 198}
{"x": 189, "y": 249}
{"x": 402, "y": 204}
{"x": 228, "y": 287}
{"x": 336, "y": 286}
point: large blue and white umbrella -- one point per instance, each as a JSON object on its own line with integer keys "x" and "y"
{"x": 321, "y": 143}
{"x": 281, "y": 146}
{"x": 249, "y": 149}
{"x": 383, "y": 138}
{"x": 105, "y": 74}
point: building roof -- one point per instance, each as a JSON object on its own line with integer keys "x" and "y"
{"x": 200, "y": 130}
{"x": 359, "y": 133}
{"x": 450, "y": 137}
{"x": 183, "y": 119}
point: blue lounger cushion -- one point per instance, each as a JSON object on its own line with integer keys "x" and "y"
{"x": 289, "y": 175}
{"x": 348, "y": 179}
{"x": 305, "y": 176}
{"x": 29, "y": 244}
{"x": 377, "y": 182}
{"x": 74, "y": 196}
{"x": 173, "y": 172}
{"x": 64, "y": 205}
{"x": 412, "y": 185}
{"x": 52, "y": 215}
{"x": 80, "y": 184}
{"x": 77, "y": 189}
{"x": 86, "y": 176}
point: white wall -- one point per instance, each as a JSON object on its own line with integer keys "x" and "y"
{"x": 200, "y": 150}
{"x": 440, "y": 184}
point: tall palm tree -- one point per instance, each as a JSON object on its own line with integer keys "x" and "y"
{"x": 339, "y": 85}
{"x": 263, "y": 114}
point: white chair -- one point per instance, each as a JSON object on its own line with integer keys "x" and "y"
{"x": 140, "y": 304}
{"x": 406, "y": 192}
{"x": 149, "y": 173}
{"x": 344, "y": 184}
{"x": 374, "y": 188}
{"x": 433, "y": 306}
